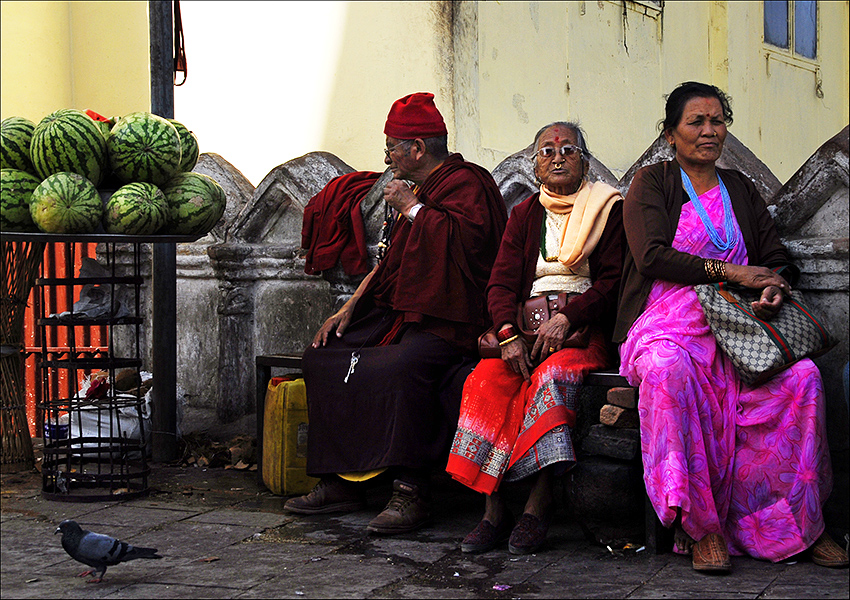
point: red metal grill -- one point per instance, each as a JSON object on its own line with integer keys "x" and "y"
{"x": 91, "y": 340}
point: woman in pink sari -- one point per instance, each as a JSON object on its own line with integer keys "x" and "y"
{"x": 735, "y": 469}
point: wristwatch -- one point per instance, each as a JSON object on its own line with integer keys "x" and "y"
{"x": 413, "y": 211}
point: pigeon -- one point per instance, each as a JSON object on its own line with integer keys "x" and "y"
{"x": 98, "y": 550}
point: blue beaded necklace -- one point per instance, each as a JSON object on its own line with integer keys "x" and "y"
{"x": 728, "y": 218}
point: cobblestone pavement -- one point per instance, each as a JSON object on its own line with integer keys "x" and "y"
{"x": 223, "y": 535}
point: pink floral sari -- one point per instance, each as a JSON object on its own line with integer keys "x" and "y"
{"x": 751, "y": 464}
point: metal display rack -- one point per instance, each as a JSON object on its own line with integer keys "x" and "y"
{"x": 96, "y": 442}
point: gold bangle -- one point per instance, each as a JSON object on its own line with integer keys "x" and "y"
{"x": 508, "y": 341}
{"x": 715, "y": 269}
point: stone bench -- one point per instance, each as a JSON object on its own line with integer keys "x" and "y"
{"x": 616, "y": 435}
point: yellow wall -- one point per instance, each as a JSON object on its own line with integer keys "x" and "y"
{"x": 521, "y": 65}
{"x": 499, "y": 71}
{"x": 389, "y": 50}
{"x": 74, "y": 55}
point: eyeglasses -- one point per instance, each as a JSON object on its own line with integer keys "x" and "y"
{"x": 548, "y": 152}
{"x": 388, "y": 150}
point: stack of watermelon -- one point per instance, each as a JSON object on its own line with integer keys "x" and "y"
{"x": 51, "y": 173}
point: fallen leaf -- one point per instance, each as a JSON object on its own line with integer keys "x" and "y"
{"x": 209, "y": 559}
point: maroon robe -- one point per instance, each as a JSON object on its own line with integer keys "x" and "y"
{"x": 425, "y": 305}
{"x": 332, "y": 230}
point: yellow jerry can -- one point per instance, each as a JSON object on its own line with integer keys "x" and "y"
{"x": 285, "y": 438}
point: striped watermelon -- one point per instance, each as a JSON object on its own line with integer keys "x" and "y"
{"x": 136, "y": 209}
{"x": 66, "y": 203}
{"x": 68, "y": 140}
{"x": 144, "y": 147}
{"x": 15, "y": 139}
{"x": 188, "y": 146}
{"x": 16, "y": 188}
{"x": 196, "y": 202}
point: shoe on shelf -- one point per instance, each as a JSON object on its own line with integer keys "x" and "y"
{"x": 826, "y": 553}
{"x": 406, "y": 511}
{"x": 487, "y": 536}
{"x": 331, "y": 495}
{"x": 711, "y": 554}
{"x": 528, "y": 535}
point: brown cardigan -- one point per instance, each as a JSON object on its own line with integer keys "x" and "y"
{"x": 651, "y": 215}
{"x": 514, "y": 270}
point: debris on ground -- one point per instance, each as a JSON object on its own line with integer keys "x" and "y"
{"x": 198, "y": 449}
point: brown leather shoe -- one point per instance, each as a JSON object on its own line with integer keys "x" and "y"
{"x": 826, "y": 553}
{"x": 711, "y": 554}
{"x": 331, "y": 495}
{"x": 407, "y": 510}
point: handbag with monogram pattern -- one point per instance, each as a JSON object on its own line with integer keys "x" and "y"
{"x": 760, "y": 349}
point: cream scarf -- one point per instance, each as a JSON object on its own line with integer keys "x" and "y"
{"x": 588, "y": 210}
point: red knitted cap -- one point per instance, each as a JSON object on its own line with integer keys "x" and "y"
{"x": 415, "y": 116}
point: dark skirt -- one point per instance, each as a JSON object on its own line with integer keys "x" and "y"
{"x": 400, "y": 406}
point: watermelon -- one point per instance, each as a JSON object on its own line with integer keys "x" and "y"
{"x": 196, "y": 202}
{"x": 188, "y": 146}
{"x": 144, "y": 147}
{"x": 68, "y": 140}
{"x": 15, "y": 139}
{"x": 66, "y": 202}
{"x": 16, "y": 188}
{"x": 103, "y": 123}
{"x": 136, "y": 209}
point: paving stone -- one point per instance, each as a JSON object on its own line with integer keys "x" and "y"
{"x": 269, "y": 554}
{"x": 160, "y": 591}
{"x": 130, "y": 515}
{"x": 51, "y": 510}
{"x": 54, "y": 586}
{"x": 336, "y": 576}
{"x": 242, "y": 565}
{"x": 416, "y": 589}
{"x": 258, "y": 521}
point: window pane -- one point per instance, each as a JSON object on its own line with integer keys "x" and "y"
{"x": 776, "y": 22}
{"x": 806, "y": 28}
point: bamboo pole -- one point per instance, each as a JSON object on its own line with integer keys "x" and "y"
{"x": 20, "y": 264}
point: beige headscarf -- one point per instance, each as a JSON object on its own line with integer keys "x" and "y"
{"x": 588, "y": 211}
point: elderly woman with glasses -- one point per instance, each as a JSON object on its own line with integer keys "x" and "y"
{"x": 518, "y": 410}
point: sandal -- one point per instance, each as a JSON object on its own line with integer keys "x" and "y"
{"x": 826, "y": 553}
{"x": 711, "y": 554}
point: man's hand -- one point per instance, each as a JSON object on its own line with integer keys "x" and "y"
{"x": 398, "y": 195}
{"x": 550, "y": 337}
{"x": 338, "y": 321}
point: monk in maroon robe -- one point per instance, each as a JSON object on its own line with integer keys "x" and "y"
{"x": 384, "y": 374}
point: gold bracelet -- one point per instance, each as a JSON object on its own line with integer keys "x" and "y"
{"x": 715, "y": 269}
{"x": 508, "y": 341}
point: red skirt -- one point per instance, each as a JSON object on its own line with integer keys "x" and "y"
{"x": 502, "y": 416}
